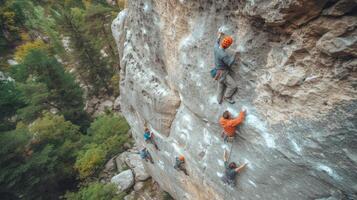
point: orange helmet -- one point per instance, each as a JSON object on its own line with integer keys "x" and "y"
{"x": 226, "y": 42}
{"x": 181, "y": 158}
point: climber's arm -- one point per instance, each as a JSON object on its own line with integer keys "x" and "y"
{"x": 238, "y": 120}
{"x": 218, "y": 75}
{"x": 238, "y": 169}
{"x": 229, "y": 60}
{"x": 219, "y": 37}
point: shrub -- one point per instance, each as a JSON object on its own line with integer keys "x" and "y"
{"x": 96, "y": 191}
{"x": 90, "y": 160}
{"x": 23, "y": 50}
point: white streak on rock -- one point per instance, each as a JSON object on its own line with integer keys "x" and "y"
{"x": 261, "y": 129}
{"x": 252, "y": 183}
{"x": 329, "y": 171}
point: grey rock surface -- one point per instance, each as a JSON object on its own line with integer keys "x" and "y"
{"x": 138, "y": 186}
{"x": 135, "y": 163}
{"x": 297, "y": 79}
{"x": 124, "y": 180}
{"x": 120, "y": 162}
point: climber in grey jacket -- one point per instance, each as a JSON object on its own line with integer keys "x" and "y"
{"x": 231, "y": 170}
{"x": 223, "y": 62}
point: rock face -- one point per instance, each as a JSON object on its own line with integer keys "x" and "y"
{"x": 134, "y": 161}
{"x": 296, "y": 76}
{"x": 124, "y": 180}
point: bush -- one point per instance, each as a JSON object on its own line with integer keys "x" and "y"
{"x": 23, "y": 50}
{"x": 89, "y": 161}
{"x": 105, "y": 138}
{"x": 96, "y": 191}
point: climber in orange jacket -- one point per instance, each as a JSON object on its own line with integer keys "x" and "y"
{"x": 229, "y": 124}
{"x": 180, "y": 164}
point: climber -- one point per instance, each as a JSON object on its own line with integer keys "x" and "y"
{"x": 145, "y": 155}
{"x": 229, "y": 124}
{"x": 223, "y": 62}
{"x": 231, "y": 170}
{"x": 149, "y": 138}
{"x": 180, "y": 164}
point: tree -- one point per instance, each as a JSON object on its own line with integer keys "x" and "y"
{"x": 90, "y": 160}
{"x": 35, "y": 97}
{"x": 109, "y": 131}
{"x": 92, "y": 68}
{"x": 10, "y": 101}
{"x": 64, "y": 94}
{"x": 36, "y": 163}
{"x": 96, "y": 24}
{"x": 46, "y": 24}
{"x": 104, "y": 138}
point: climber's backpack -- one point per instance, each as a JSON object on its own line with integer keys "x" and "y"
{"x": 213, "y": 72}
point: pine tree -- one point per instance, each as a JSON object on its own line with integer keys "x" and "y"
{"x": 92, "y": 68}
{"x": 60, "y": 91}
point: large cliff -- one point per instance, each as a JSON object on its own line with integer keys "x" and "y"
{"x": 297, "y": 82}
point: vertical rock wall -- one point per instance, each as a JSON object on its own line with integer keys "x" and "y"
{"x": 297, "y": 81}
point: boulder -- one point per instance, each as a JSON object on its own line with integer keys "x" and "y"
{"x": 120, "y": 162}
{"x": 134, "y": 161}
{"x": 124, "y": 180}
{"x": 106, "y": 104}
{"x": 130, "y": 196}
{"x": 138, "y": 186}
{"x": 110, "y": 165}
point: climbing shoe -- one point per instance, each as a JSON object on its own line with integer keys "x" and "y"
{"x": 230, "y": 100}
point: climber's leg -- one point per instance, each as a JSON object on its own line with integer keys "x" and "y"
{"x": 151, "y": 160}
{"x": 225, "y": 179}
{"x": 225, "y": 138}
{"x": 230, "y": 139}
{"x": 184, "y": 171}
{"x": 232, "y": 183}
{"x": 155, "y": 145}
{"x": 221, "y": 88}
{"x": 231, "y": 88}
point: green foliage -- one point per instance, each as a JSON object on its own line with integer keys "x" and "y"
{"x": 92, "y": 67}
{"x": 90, "y": 160}
{"x": 115, "y": 84}
{"x": 42, "y": 159}
{"x": 23, "y": 50}
{"x": 10, "y": 101}
{"x": 63, "y": 94}
{"x": 110, "y": 131}
{"x": 105, "y": 138}
{"x": 35, "y": 97}
{"x": 96, "y": 191}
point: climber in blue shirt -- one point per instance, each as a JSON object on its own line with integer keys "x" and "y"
{"x": 227, "y": 86}
{"x": 149, "y": 138}
{"x": 231, "y": 171}
{"x": 145, "y": 155}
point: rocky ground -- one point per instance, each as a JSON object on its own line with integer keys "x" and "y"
{"x": 297, "y": 79}
{"x": 128, "y": 172}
